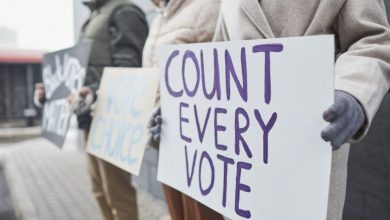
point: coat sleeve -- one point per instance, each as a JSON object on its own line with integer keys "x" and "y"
{"x": 128, "y": 31}
{"x": 363, "y": 68}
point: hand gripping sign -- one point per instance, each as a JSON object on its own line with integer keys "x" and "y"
{"x": 119, "y": 128}
{"x": 242, "y": 122}
{"x": 63, "y": 73}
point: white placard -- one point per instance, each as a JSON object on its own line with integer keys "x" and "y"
{"x": 125, "y": 102}
{"x": 242, "y": 122}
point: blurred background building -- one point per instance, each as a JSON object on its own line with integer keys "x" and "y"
{"x": 8, "y": 38}
{"x": 19, "y": 71}
{"x": 20, "y": 62}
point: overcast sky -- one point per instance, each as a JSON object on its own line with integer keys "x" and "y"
{"x": 40, "y": 24}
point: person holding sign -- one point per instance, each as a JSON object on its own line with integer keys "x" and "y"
{"x": 180, "y": 21}
{"x": 118, "y": 30}
{"x": 361, "y": 69}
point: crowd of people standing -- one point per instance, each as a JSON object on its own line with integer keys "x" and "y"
{"x": 122, "y": 38}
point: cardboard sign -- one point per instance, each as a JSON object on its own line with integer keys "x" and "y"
{"x": 63, "y": 73}
{"x": 119, "y": 128}
{"x": 242, "y": 122}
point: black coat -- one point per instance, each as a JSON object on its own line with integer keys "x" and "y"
{"x": 128, "y": 30}
{"x": 387, "y": 3}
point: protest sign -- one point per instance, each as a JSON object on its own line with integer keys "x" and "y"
{"x": 119, "y": 128}
{"x": 63, "y": 73}
{"x": 242, "y": 122}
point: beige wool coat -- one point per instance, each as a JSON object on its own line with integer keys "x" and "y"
{"x": 360, "y": 26}
{"x": 363, "y": 42}
{"x": 181, "y": 22}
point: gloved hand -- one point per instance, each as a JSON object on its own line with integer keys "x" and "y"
{"x": 154, "y": 126}
{"x": 346, "y": 117}
{"x": 39, "y": 95}
{"x": 81, "y": 101}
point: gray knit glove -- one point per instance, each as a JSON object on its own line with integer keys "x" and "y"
{"x": 346, "y": 118}
{"x": 155, "y": 128}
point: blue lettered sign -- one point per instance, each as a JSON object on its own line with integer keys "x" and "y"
{"x": 125, "y": 102}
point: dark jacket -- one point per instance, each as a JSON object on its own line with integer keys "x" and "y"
{"x": 118, "y": 30}
{"x": 387, "y": 3}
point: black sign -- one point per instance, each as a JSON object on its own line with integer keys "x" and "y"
{"x": 63, "y": 74}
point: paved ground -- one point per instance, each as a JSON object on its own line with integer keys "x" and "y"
{"x": 12, "y": 135}
{"x": 48, "y": 183}
{"x": 6, "y": 209}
